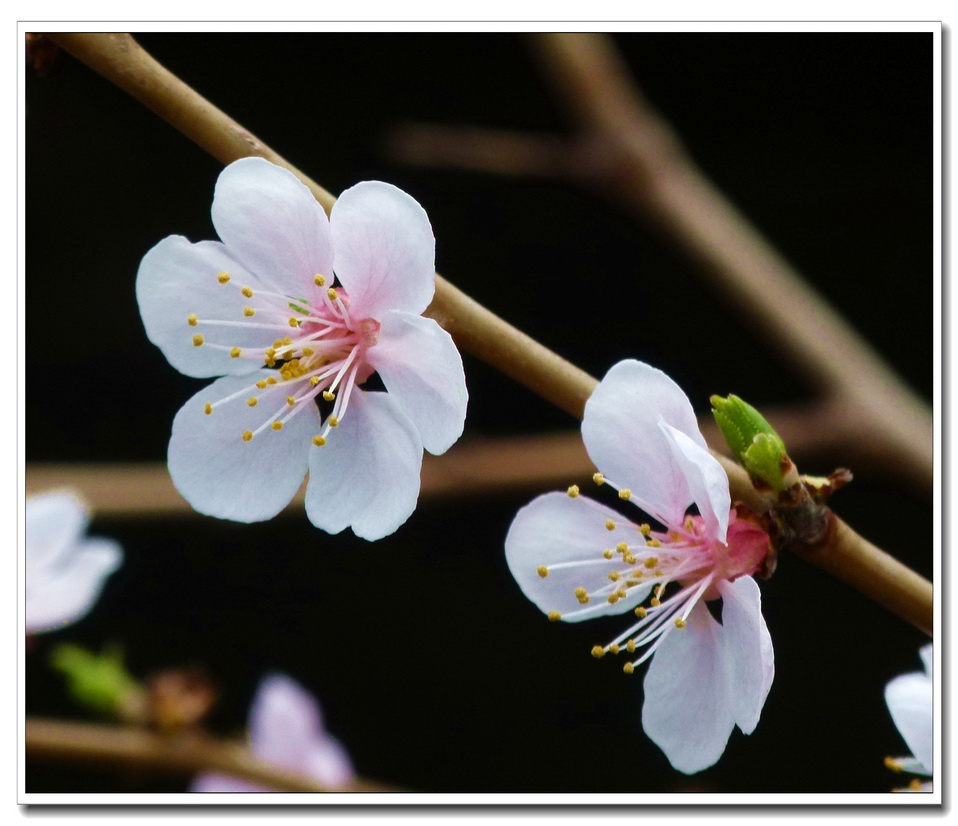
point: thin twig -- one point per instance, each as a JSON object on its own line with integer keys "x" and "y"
{"x": 179, "y": 754}
{"x": 474, "y": 328}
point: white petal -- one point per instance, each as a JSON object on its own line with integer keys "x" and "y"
{"x": 367, "y": 474}
{"x": 927, "y": 658}
{"x": 329, "y": 763}
{"x": 384, "y": 250}
{"x": 910, "y": 701}
{"x": 53, "y": 523}
{"x": 422, "y": 370}
{"x": 178, "y": 279}
{"x": 272, "y": 223}
{"x": 705, "y": 479}
{"x": 686, "y": 713}
{"x": 224, "y": 784}
{"x": 747, "y": 650}
{"x": 623, "y": 438}
{"x": 285, "y": 722}
{"x": 221, "y": 475}
{"x": 64, "y": 593}
{"x": 555, "y": 529}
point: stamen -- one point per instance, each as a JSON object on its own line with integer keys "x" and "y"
{"x": 277, "y": 425}
{"x": 252, "y": 401}
{"x": 247, "y": 434}
{"x": 554, "y": 616}
{"x": 192, "y": 320}
{"x": 319, "y": 441}
{"x": 607, "y": 553}
{"x": 208, "y": 409}
{"x": 573, "y": 491}
{"x": 598, "y": 478}
{"x": 319, "y": 281}
{"x": 246, "y": 291}
{"x": 625, "y": 494}
{"x": 326, "y": 394}
{"x": 235, "y": 353}
{"x": 598, "y": 652}
{"x": 542, "y": 571}
{"x": 680, "y": 623}
{"x": 332, "y": 421}
{"x": 248, "y": 311}
{"x": 331, "y": 292}
{"x": 223, "y": 277}
{"x": 198, "y": 340}
{"x": 628, "y": 668}
{"x": 609, "y": 525}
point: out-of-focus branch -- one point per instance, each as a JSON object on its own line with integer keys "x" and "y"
{"x": 474, "y": 328}
{"x": 180, "y": 754}
{"x": 629, "y": 151}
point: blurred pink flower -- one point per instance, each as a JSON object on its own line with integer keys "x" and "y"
{"x": 910, "y": 699}
{"x": 286, "y": 729}
{"x": 289, "y": 309}
{"x": 65, "y": 571}
{"x": 577, "y": 559}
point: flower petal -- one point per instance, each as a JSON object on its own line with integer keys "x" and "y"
{"x": 686, "y": 713}
{"x": 178, "y": 279}
{"x": 747, "y": 650}
{"x": 623, "y": 438}
{"x": 910, "y": 701}
{"x": 367, "y": 475}
{"x": 927, "y": 658}
{"x": 422, "y": 370}
{"x": 224, "y": 784}
{"x": 555, "y": 530}
{"x": 53, "y": 523}
{"x": 221, "y": 475}
{"x": 285, "y": 721}
{"x": 329, "y": 763}
{"x": 272, "y": 223}
{"x": 384, "y": 250}
{"x": 63, "y": 594}
{"x": 705, "y": 480}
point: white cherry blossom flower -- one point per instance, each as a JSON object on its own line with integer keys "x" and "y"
{"x": 910, "y": 699}
{"x": 577, "y": 559}
{"x": 65, "y": 570}
{"x": 286, "y": 729}
{"x": 294, "y": 312}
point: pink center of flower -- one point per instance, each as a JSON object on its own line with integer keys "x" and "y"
{"x": 320, "y": 350}
{"x": 640, "y": 572}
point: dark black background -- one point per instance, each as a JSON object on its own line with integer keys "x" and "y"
{"x": 430, "y": 665}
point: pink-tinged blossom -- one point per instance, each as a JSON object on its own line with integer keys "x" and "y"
{"x": 577, "y": 559}
{"x": 65, "y": 570}
{"x": 294, "y": 312}
{"x": 286, "y": 729}
{"x": 910, "y": 699}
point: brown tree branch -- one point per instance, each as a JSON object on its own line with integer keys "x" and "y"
{"x": 474, "y": 328}
{"x": 179, "y": 754}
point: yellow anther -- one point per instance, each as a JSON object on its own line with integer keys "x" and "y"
{"x": 658, "y": 572}
{"x": 542, "y": 571}
{"x": 248, "y": 434}
{"x": 261, "y": 384}
{"x": 198, "y": 340}
{"x": 287, "y": 340}
{"x": 613, "y": 649}
{"x": 651, "y": 562}
{"x": 630, "y": 646}
{"x": 287, "y": 355}
{"x": 622, "y": 547}
{"x": 192, "y": 320}
{"x": 252, "y": 401}
{"x": 573, "y": 491}
{"x": 319, "y": 441}
{"x": 333, "y": 295}
{"x": 290, "y": 400}
{"x": 680, "y": 623}
{"x": 613, "y": 598}
{"x": 314, "y": 381}
{"x": 625, "y": 494}
{"x": 621, "y": 594}
{"x": 628, "y": 559}
{"x": 607, "y": 553}
{"x": 598, "y": 478}
{"x": 615, "y": 576}
{"x": 893, "y": 764}
{"x": 628, "y": 668}
{"x": 326, "y": 394}
{"x": 656, "y": 602}
{"x": 660, "y": 589}
{"x": 248, "y": 311}
{"x": 689, "y": 524}
{"x": 277, "y": 425}
{"x": 654, "y": 543}
{"x": 580, "y": 593}
{"x": 914, "y": 785}
{"x": 319, "y": 281}
{"x": 609, "y": 525}
{"x": 276, "y": 345}
{"x": 598, "y": 652}
{"x": 271, "y": 380}
{"x": 641, "y": 613}
{"x": 235, "y": 353}
{"x": 285, "y": 374}
{"x": 308, "y": 351}
{"x": 293, "y": 322}
{"x": 554, "y": 616}
{"x": 223, "y": 277}
{"x": 247, "y": 292}
{"x": 332, "y": 421}
{"x": 645, "y": 529}
{"x": 631, "y": 583}
{"x": 208, "y": 408}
